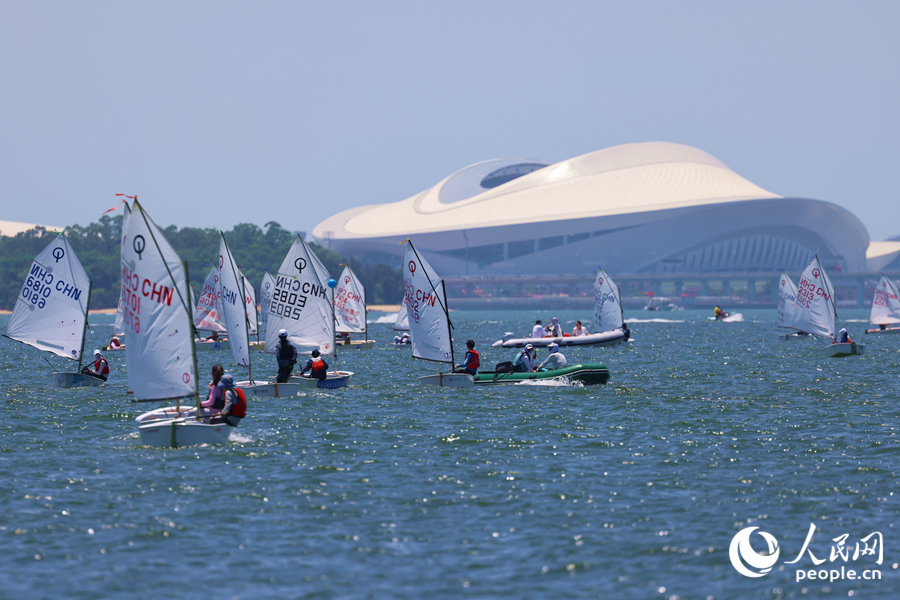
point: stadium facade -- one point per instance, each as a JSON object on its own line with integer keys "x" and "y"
{"x": 652, "y": 207}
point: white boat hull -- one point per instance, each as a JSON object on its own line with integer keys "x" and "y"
{"x": 73, "y": 380}
{"x": 116, "y": 349}
{"x": 846, "y": 349}
{"x": 183, "y": 432}
{"x": 256, "y": 389}
{"x": 607, "y": 338}
{"x": 888, "y": 330}
{"x": 334, "y": 380}
{"x": 171, "y": 412}
{"x": 206, "y": 345}
{"x": 457, "y": 380}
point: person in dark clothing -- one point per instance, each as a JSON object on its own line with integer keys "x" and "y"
{"x": 317, "y": 367}
{"x": 286, "y": 355}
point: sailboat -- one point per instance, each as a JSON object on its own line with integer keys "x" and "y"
{"x": 302, "y": 306}
{"x": 159, "y": 334}
{"x": 787, "y": 295}
{"x": 429, "y": 319}
{"x": 885, "y": 307}
{"x": 608, "y": 322}
{"x": 265, "y": 299}
{"x": 118, "y": 328}
{"x": 350, "y": 310}
{"x": 401, "y": 321}
{"x": 208, "y": 313}
{"x": 52, "y": 307}
{"x": 815, "y": 312}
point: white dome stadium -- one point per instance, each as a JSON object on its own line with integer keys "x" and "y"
{"x": 638, "y": 208}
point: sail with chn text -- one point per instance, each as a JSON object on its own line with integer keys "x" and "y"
{"x": 429, "y": 321}
{"x": 158, "y": 325}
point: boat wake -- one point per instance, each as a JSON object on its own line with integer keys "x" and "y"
{"x": 388, "y": 319}
{"x": 558, "y": 382}
{"x": 630, "y": 321}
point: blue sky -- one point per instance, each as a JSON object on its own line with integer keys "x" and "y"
{"x": 217, "y": 113}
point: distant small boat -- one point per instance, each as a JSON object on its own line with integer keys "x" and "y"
{"x": 52, "y": 308}
{"x": 350, "y": 311}
{"x": 584, "y": 374}
{"x": 885, "y": 307}
{"x": 815, "y": 312}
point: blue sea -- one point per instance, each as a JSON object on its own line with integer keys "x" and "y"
{"x": 392, "y": 490}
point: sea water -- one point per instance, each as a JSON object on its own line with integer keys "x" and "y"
{"x": 388, "y": 489}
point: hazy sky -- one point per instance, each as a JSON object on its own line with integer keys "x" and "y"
{"x": 217, "y": 113}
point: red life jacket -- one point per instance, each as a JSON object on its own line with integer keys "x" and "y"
{"x": 239, "y": 409}
{"x": 475, "y": 362}
{"x": 318, "y": 365}
{"x": 105, "y": 366}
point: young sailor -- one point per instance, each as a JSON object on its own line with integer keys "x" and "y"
{"x": 286, "y": 355}
{"x": 317, "y": 367}
{"x": 235, "y": 403}
{"x": 472, "y": 361}
{"x": 556, "y": 360}
{"x": 845, "y": 337}
{"x": 101, "y": 367}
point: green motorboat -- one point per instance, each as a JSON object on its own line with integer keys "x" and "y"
{"x": 587, "y": 374}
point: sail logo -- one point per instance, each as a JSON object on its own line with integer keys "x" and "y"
{"x": 300, "y": 264}
{"x": 58, "y": 253}
{"x": 746, "y": 560}
{"x": 815, "y": 273}
{"x": 346, "y": 280}
{"x": 221, "y": 261}
{"x": 412, "y": 267}
{"x": 138, "y": 244}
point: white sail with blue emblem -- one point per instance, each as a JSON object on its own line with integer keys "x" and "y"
{"x": 232, "y": 298}
{"x": 52, "y": 305}
{"x": 607, "y": 304}
{"x": 301, "y": 303}
{"x": 787, "y": 295}
{"x": 159, "y": 347}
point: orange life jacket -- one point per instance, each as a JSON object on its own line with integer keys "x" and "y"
{"x": 318, "y": 365}
{"x": 475, "y": 361}
{"x": 101, "y": 366}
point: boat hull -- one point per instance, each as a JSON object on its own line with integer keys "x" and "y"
{"x": 457, "y": 380}
{"x": 607, "y": 338}
{"x": 268, "y": 390}
{"x": 334, "y": 380}
{"x": 846, "y": 349}
{"x": 355, "y": 345}
{"x": 587, "y": 374}
{"x": 204, "y": 345}
{"x": 116, "y": 349}
{"x": 171, "y": 412}
{"x": 888, "y": 330}
{"x": 174, "y": 433}
{"x": 73, "y": 380}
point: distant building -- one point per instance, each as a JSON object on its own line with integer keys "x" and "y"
{"x": 638, "y": 208}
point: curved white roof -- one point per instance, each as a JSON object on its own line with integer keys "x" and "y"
{"x": 625, "y": 179}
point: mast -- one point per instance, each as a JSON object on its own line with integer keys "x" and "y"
{"x": 449, "y": 325}
{"x": 333, "y": 284}
{"x": 87, "y": 308}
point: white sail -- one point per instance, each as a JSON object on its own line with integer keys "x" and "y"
{"x": 885, "y": 304}
{"x": 607, "y": 304}
{"x": 52, "y": 305}
{"x": 429, "y": 324}
{"x": 301, "y": 302}
{"x": 813, "y": 308}
{"x": 119, "y": 323}
{"x": 250, "y": 302}
{"x": 787, "y": 296}
{"x": 350, "y": 303}
{"x": 159, "y": 342}
{"x": 234, "y": 307}
{"x": 208, "y": 311}
{"x": 265, "y": 298}
{"x": 401, "y": 323}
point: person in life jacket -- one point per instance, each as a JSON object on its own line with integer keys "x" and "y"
{"x": 235, "y": 403}
{"x": 114, "y": 343}
{"x": 718, "y": 313}
{"x": 317, "y": 367}
{"x": 472, "y": 361}
{"x": 524, "y": 360}
{"x": 286, "y": 355}
{"x": 845, "y": 337}
{"x": 101, "y": 367}
{"x": 215, "y": 401}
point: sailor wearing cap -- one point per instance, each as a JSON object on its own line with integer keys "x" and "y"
{"x": 286, "y": 355}
{"x": 845, "y": 337}
{"x": 101, "y": 367}
{"x": 556, "y": 360}
{"x": 524, "y": 361}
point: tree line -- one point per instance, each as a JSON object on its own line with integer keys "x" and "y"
{"x": 255, "y": 250}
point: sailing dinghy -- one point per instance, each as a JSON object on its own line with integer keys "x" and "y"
{"x": 608, "y": 322}
{"x": 429, "y": 319}
{"x": 52, "y": 307}
{"x": 350, "y": 310}
{"x": 159, "y": 334}
{"x": 208, "y": 313}
{"x": 885, "y": 307}
{"x": 302, "y": 306}
{"x": 815, "y": 312}
{"x": 787, "y": 296}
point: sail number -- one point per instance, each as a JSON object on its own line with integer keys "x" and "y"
{"x": 807, "y": 291}
{"x": 40, "y": 285}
